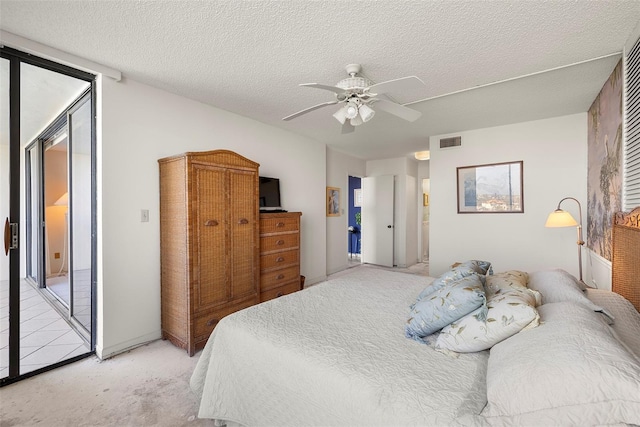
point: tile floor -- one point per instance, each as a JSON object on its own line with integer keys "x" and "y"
{"x": 45, "y": 336}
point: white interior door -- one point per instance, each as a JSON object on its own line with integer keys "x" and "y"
{"x": 377, "y": 220}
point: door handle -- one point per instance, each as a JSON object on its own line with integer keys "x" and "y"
{"x": 10, "y": 236}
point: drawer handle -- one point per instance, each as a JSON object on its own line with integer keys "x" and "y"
{"x": 280, "y": 277}
{"x": 212, "y": 322}
{"x": 279, "y": 294}
{"x": 280, "y": 224}
{"x": 280, "y": 242}
{"x": 210, "y": 223}
{"x": 279, "y": 259}
{"x": 243, "y": 221}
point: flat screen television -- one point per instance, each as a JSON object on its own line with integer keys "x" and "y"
{"x": 270, "y": 194}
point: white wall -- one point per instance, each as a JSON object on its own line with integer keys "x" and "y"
{"x": 405, "y": 236}
{"x": 554, "y": 152}
{"x": 339, "y": 167}
{"x": 141, "y": 124}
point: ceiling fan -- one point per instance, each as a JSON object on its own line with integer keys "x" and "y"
{"x": 359, "y": 95}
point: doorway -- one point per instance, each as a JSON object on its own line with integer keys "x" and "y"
{"x": 47, "y": 274}
{"x": 354, "y": 223}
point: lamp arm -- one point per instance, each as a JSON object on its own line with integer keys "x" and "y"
{"x": 580, "y": 242}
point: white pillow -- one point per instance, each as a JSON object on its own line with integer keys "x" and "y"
{"x": 558, "y": 286}
{"x": 571, "y": 370}
{"x": 509, "y": 311}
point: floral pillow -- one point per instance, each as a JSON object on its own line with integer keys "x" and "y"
{"x": 465, "y": 269}
{"x": 445, "y": 305}
{"x": 508, "y": 280}
{"x": 509, "y": 312}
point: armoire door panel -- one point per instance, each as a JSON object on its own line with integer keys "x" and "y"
{"x": 244, "y": 237}
{"x": 210, "y": 237}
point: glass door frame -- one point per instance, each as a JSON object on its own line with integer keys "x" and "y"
{"x": 16, "y": 58}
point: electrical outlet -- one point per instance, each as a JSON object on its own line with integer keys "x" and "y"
{"x": 144, "y": 215}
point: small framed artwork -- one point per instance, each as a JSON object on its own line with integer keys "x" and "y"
{"x": 491, "y": 188}
{"x": 357, "y": 197}
{"x": 333, "y": 201}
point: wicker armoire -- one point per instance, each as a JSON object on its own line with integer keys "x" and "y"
{"x": 209, "y": 242}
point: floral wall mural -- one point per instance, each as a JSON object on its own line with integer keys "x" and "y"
{"x": 604, "y": 184}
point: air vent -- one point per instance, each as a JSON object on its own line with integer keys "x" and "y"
{"x": 456, "y": 141}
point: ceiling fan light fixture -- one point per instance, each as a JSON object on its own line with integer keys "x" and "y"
{"x": 366, "y": 113}
{"x": 351, "y": 111}
{"x": 341, "y": 114}
{"x": 356, "y": 121}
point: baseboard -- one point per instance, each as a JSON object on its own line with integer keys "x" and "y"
{"x": 107, "y": 352}
{"x": 313, "y": 281}
{"x": 598, "y": 271}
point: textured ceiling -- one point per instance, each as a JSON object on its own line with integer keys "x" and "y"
{"x": 248, "y": 57}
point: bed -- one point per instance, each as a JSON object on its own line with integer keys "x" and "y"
{"x": 335, "y": 354}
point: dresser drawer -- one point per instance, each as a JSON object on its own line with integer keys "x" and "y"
{"x": 278, "y": 224}
{"x": 279, "y": 259}
{"x": 277, "y": 278}
{"x": 278, "y": 242}
{"x": 279, "y": 291}
{"x": 206, "y": 321}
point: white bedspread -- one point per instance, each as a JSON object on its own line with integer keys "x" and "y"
{"x": 336, "y": 354}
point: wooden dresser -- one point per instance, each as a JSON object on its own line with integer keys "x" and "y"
{"x": 209, "y": 242}
{"x": 279, "y": 254}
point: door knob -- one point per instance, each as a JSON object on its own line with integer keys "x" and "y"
{"x": 388, "y": 226}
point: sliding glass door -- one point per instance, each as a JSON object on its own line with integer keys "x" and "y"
{"x": 80, "y": 208}
{"x": 47, "y": 271}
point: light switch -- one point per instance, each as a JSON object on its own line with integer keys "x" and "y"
{"x": 144, "y": 215}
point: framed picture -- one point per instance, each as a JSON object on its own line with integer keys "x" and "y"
{"x": 333, "y": 201}
{"x": 491, "y": 188}
{"x": 357, "y": 197}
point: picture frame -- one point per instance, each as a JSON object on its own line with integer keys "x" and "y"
{"x": 357, "y": 197}
{"x": 491, "y": 188}
{"x": 333, "y": 201}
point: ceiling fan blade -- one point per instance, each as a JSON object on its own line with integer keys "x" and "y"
{"x": 403, "y": 84}
{"x": 306, "y": 110}
{"x": 335, "y": 89}
{"x": 348, "y": 127}
{"x": 401, "y": 111}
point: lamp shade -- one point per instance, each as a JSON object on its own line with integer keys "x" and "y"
{"x": 341, "y": 115}
{"x": 560, "y": 218}
{"x": 356, "y": 121}
{"x": 366, "y": 113}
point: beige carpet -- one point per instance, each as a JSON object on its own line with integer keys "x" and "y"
{"x": 147, "y": 386}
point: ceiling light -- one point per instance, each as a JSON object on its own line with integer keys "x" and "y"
{"x": 422, "y": 155}
{"x": 357, "y": 120}
{"x": 352, "y": 110}
{"x": 366, "y": 113}
{"x": 341, "y": 114}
